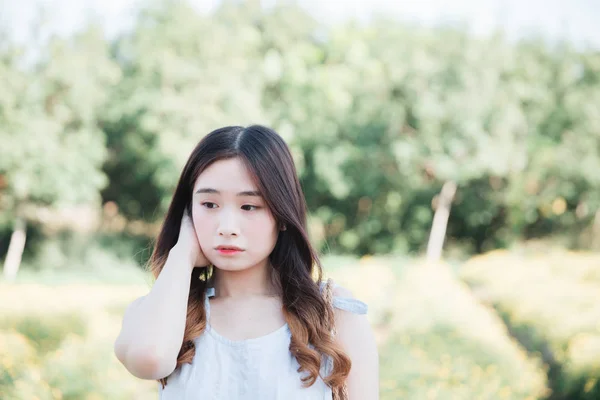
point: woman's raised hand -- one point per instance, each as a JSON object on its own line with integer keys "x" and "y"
{"x": 188, "y": 245}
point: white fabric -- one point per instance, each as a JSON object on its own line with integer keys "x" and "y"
{"x": 254, "y": 369}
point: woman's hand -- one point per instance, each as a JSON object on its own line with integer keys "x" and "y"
{"x": 188, "y": 244}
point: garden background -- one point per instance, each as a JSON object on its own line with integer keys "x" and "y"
{"x": 453, "y": 182}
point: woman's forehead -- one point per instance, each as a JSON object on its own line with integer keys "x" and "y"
{"x": 226, "y": 177}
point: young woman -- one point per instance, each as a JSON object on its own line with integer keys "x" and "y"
{"x": 237, "y": 310}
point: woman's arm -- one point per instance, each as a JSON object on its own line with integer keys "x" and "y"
{"x": 356, "y": 337}
{"x": 153, "y": 325}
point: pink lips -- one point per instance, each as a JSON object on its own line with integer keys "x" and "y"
{"x": 229, "y": 251}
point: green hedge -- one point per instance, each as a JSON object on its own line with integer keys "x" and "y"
{"x": 551, "y": 302}
{"x": 436, "y": 341}
{"x": 443, "y": 344}
{"x": 20, "y": 373}
{"x": 45, "y": 332}
{"x": 64, "y": 353}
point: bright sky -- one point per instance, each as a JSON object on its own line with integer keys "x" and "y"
{"x": 574, "y": 19}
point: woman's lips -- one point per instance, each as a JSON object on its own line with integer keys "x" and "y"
{"x": 229, "y": 251}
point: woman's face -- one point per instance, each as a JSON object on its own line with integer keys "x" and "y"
{"x": 226, "y": 212}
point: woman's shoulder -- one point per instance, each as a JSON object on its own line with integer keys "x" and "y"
{"x": 357, "y": 339}
{"x": 340, "y": 291}
{"x": 344, "y": 299}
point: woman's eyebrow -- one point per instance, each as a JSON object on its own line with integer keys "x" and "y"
{"x": 254, "y": 193}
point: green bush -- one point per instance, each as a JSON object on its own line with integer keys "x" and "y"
{"x": 111, "y": 258}
{"x": 45, "y": 332}
{"x": 20, "y": 375}
{"x": 551, "y": 303}
{"x": 85, "y": 368}
{"x": 61, "y": 342}
{"x": 66, "y": 258}
{"x": 444, "y": 345}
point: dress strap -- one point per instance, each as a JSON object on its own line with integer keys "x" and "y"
{"x": 347, "y": 303}
{"x": 210, "y": 292}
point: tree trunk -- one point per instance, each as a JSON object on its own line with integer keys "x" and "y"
{"x": 596, "y": 231}
{"x": 440, "y": 221}
{"x": 15, "y": 250}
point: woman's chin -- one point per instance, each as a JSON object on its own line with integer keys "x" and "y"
{"x": 230, "y": 265}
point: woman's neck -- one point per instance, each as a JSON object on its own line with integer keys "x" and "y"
{"x": 253, "y": 281}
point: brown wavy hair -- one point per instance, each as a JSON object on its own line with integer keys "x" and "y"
{"x": 297, "y": 269}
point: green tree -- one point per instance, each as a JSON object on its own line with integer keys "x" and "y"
{"x": 184, "y": 74}
{"x": 53, "y": 149}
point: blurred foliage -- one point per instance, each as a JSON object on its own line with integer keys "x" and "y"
{"x": 443, "y": 363}
{"x": 66, "y": 351}
{"x": 550, "y": 301}
{"x": 45, "y": 332}
{"x": 435, "y": 340}
{"x": 71, "y": 250}
{"x": 378, "y": 117}
{"x": 20, "y": 375}
{"x": 52, "y": 148}
{"x": 443, "y": 344}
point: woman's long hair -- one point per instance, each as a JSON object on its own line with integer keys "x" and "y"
{"x": 294, "y": 260}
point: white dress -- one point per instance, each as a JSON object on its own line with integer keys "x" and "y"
{"x": 254, "y": 369}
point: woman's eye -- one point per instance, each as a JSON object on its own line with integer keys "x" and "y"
{"x": 246, "y": 207}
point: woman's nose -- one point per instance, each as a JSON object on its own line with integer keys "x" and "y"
{"x": 227, "y": 224}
